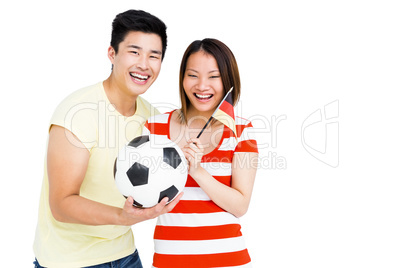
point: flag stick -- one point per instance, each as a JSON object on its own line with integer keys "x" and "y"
{"x": 202, "y": 130}
{"x": 209, "y": 120}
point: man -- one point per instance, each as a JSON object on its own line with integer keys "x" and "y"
{"x": 83, "y": 219}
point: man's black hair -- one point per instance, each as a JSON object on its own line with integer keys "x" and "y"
{"x": 140, "y": 21}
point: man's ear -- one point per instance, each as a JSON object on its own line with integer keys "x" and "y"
{"x": 111, "y": 53}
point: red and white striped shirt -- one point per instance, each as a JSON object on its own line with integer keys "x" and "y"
{"x": 197, "y": 232}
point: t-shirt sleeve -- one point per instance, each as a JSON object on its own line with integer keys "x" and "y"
{"x": 247, "y": 142}
{"x": 80, "y": 119}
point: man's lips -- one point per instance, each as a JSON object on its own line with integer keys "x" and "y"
{"x": 139, "y": 78}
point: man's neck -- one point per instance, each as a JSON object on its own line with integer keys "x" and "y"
{"x": 125, "y": 104}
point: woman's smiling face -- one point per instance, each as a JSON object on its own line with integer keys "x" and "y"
{"x": 202, "y": 82}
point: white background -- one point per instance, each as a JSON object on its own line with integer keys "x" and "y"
{"x": 294, "y": 57}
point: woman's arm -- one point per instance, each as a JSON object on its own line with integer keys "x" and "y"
{"x": 67, "y": 161}
{"x": 234, "y": 199}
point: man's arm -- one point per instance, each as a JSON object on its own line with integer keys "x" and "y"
{"x": 67, "y": 161}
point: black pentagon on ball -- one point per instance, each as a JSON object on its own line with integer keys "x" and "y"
{"x": 170, "y": 192}
{"x": 138, "y": 141}
{"x": 171, "y": 157}
{"x": 115, "y": 168}
{"x": 137, "y": 204}
{"x": 138, "y": 174}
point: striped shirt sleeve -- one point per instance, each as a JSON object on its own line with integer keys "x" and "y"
{"x": 246, "y": 137}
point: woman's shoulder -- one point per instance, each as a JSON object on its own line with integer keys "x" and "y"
{"x": 240, "y": 121}
{"x": 243, "y": 125}
{"x": 160, "y": 118}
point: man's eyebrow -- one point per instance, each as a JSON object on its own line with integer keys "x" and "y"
{"x": 135, "y": 46}
{"x": 154, "y": 51}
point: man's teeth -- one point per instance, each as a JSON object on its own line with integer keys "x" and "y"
{"x": 139, "y": 76}
{"x": 203, "y": 96}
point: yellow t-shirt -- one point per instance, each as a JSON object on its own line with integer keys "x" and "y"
{"x": 90, "y": 116}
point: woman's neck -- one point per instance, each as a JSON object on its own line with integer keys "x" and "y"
{"x": 197, "y": 119}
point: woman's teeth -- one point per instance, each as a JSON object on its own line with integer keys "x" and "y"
{"x": 203, "y": 96}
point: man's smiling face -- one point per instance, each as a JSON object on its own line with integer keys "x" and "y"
{"x": 137, "y": 63}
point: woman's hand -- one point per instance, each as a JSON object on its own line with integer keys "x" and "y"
{"x": 193, "y": 152}
{"x": 235, "y": 198}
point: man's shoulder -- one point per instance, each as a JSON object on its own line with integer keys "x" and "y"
{"x": 82, "y": 103}
{"x": 145, "y": 108}
{"x": 92, "y": 93}
{"x": 83, "y": 98}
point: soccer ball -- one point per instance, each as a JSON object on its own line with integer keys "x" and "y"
{"x": 149, "y": 168}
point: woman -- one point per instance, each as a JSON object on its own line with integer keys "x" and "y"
{"x": 203, "y": 230}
